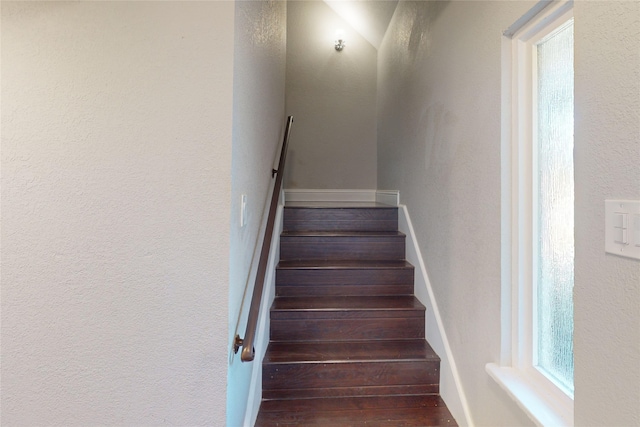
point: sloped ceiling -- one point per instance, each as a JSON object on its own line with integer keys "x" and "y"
{"x": 368, "y": 17}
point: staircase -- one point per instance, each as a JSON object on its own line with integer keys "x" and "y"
{"x": 347, "y": 344}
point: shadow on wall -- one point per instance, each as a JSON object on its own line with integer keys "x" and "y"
{"x": 418, "y": 18}
{"x": 438, "y": 123}
{"x": 290, "y": 170}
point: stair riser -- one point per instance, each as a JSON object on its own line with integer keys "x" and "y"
{"x": 342, "y": 276}
{"x": 354, "y": 374}
{"x": 341, "y": 281}
{"x": 388, "y": 390}
{"x": 381, "y": 315}
{"x": 344, "y": 290}
{"x": 309, "y": 391}
{"x": 347, "y": 329}
{"x": 372, "y": 248}
{"x": 342, "y": 404}
{"x": 304, "y": 219}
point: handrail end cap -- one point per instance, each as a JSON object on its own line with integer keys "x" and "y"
{"x": 248, "y": 354}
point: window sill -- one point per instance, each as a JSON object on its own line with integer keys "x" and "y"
{"x": 536, "y": 402}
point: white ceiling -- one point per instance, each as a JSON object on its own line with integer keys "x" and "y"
{"x": 369, "y": 17}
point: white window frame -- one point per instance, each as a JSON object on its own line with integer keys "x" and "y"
{"x": 546, "y": 403}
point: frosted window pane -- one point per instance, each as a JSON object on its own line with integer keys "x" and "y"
{"x": 555, "y": 207}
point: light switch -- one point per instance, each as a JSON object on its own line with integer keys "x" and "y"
{"x": 243, "y": 210}
{"x": 622, "y": 228}
{"x": 620, "y": 220}
{"x": 620, "y": 235}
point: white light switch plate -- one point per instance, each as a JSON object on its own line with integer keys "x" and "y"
{"x": 243, "y": 210}
{"x": 622, "y": 228}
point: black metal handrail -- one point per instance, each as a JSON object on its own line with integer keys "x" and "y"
{"x": 248, "y": 350}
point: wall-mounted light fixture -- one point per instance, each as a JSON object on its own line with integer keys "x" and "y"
{"x": 340, "y": 42}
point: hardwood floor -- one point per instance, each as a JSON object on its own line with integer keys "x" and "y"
{"x": 347, "y": 343}
{"x": 375, "y": 411}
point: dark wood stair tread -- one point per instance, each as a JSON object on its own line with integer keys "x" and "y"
{"x": 349, "y": 351}
{"x": 396, "y": 411}
{"x": 347, "y": 303}
{"x": 318, "y": 392}
{"x": 339, "y": 233}
{"x": 343, "y": 264}
{"x": 364, "y": 402}
{"x": 337, "y": 205}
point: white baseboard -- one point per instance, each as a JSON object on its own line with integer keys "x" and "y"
{"x": 387, "y": 197}
{"x": 300, "y": 195}
{"x": 450, "y": 384}
{"x": 262, "y": 331}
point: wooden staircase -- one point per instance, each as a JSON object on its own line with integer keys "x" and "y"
{"x": 347, "y": 344}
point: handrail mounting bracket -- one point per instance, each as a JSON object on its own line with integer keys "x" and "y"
{"x": 237, "y": 343}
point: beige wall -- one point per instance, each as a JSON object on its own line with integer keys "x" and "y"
{"x": 116, "y": 189}
{"x": 439, "y": 144}
{"x": 258, "y": 122}
{"x": 607, "y": 166}
{"x": 332, "y": 96}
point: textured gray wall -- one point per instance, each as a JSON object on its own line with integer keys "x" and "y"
{"x": 258, "y": 124}
{"x": 332, "y": 96}
{"x": 439, "y": 144}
